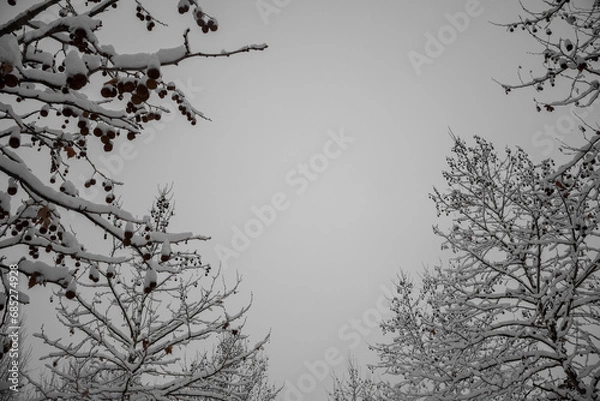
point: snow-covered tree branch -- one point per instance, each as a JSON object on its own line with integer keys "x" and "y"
{"x": 64, "y": 94}
{"x": 133, "y": 299}
{"x": 567, "y": 32}
{"x": 137, "y": 333}
{"x": 355, "y": 387}
{"x": 515, "y": 314}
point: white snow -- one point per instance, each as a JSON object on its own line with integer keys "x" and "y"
{"x": 25, "y": 175}
{"x": 92, "y": 61}
{"x": 93, "y": 273}
{"x": 39, "y": 56}
{"x": 166, "y": 248}
{"x": 151, "y": 279}
{"x": 143, "y": 60}
{"x": 51, "y": 78}
{"x": 110, "y": 271}
{"x": 69, "y": 188}
{"x": 50, "y": 273}
{"x": 9, "y": 51}
{"x": 74, "y": 65}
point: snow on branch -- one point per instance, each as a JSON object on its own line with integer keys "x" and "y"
{"x": 126, "y": 289}
{"x": 514, "y": 311}
{"x": 65, "y": 91}
{"x": 567, "y": 34}
{"x": 130, "y": 338}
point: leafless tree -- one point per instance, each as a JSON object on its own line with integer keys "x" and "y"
{"x": 355, "y": 387}
{"x": 515, "y": 313}
{"x": 134, "y": 333}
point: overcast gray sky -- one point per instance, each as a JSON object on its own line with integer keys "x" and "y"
{"x": 335, "y": 138}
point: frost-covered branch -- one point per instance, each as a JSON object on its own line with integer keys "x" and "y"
{"x": 130, "y": 333}
{"x": 66, "y": 93}
{"x": 515, "y": 312}
{"x": 567, "y": 33}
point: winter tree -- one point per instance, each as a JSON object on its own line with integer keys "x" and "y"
{"x": 515, "y": 313}
{"x": 133, "y": 333}
{"x": 568, "y": 34}
{"x": 249, "y": 381}
{"x": 355, "y": 387}
{"x": 67, "y": 97}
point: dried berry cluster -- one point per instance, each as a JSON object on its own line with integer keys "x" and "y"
{"x": 146, "y": 17}
{"x": 569, "y": 35}
{"x": 204, "y": 21}
{"x": 7, "y": 78}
